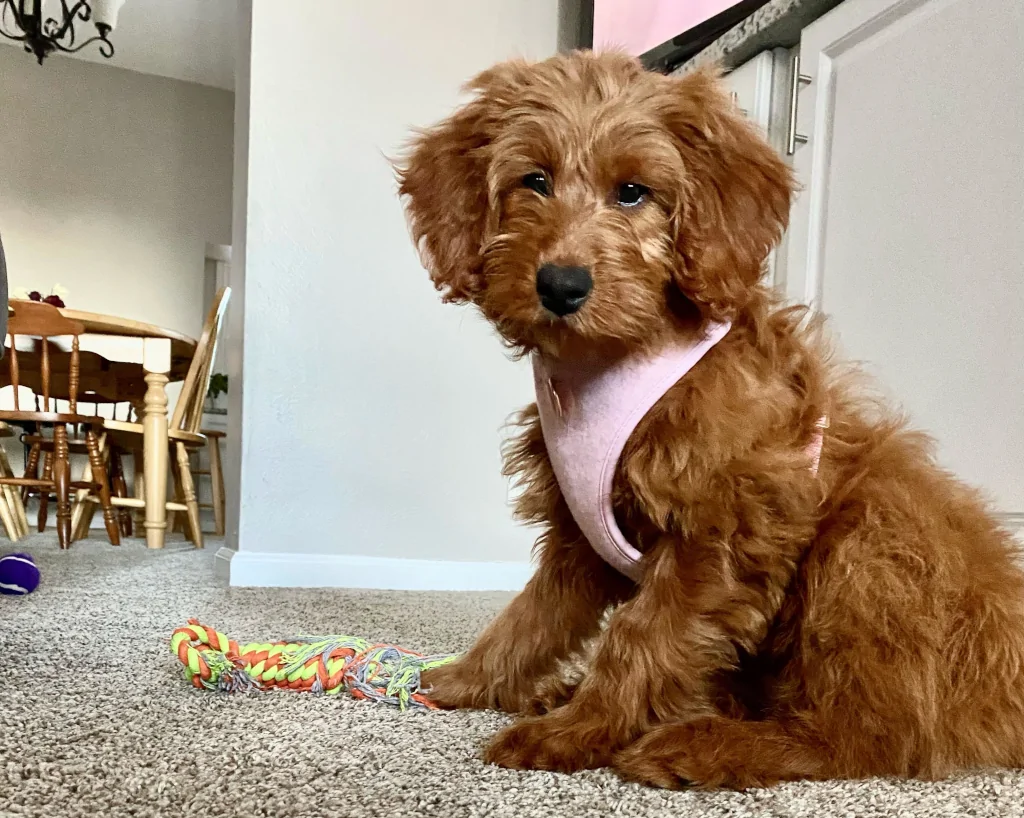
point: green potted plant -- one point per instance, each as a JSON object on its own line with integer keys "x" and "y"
{"x": 218, "y": 386}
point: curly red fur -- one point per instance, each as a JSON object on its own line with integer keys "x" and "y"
{"x": 866, "y": 620}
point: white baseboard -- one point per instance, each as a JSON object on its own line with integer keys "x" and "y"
{"x": 262, "y": 570}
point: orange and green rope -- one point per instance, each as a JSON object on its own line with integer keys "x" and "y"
{"x": 327, "y": 665}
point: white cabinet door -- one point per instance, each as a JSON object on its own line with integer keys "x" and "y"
{"x": 910, "y": 229}
{"x": 759, "y": 91}
{"x": 751, "y": 86}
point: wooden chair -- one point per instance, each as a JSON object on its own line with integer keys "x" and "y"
{"x": 183, "y": 429}
{"x": 41, "y": 322}
{"x": 101, "y": 383}
{"x": 40, "y": 454}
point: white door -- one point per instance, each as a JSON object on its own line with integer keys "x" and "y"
{"x": 759, "y": 89}
{"x": 909, "y": 230}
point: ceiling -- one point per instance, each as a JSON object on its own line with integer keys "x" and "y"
{"x": 191, "y": 40}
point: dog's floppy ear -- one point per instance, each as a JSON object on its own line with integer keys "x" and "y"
{"x": 444, "y": 184}
{"x": 735, "y": 203}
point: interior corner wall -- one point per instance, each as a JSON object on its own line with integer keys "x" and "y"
{"x": 234, "y": 330}
{"x": 371, "y": 413}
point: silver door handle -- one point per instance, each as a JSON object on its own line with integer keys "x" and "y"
{"x": 793, "y": 138}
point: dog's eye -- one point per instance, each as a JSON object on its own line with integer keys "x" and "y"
{"x": 631, "y": 194}
{"x": 538, "y": 182}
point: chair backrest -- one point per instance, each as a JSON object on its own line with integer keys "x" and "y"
{"x": 41, "y": 322}
{"x": 188, "y": 412}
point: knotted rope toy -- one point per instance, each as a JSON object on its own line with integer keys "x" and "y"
{"x": 326, "y": 665}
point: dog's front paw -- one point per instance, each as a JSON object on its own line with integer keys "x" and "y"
{"x": 457, "y": 686}
{"x": 551, "y": 742}
{"x": 469, "y": 685}
{"x": 653, "y": 763}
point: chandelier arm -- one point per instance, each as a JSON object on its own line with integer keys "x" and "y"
{"x": 106, "y": 48}
{"x": 18, "y": 38}
{"x": 80, "y": 10}
{"x": 18, "y": 22}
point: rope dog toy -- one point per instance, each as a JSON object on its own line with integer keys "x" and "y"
{"x": 327, "y": 665}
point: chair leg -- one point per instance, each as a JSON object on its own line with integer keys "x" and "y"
{"x": 31, "y": 469}
{"x": 86, "y": 522}
{"x": 99, "y": 476}
{"x": 17, "y": 510}
{"x": 62, "y": 484}
{"x": 139, "y": 490}
{"x": 44, "y": 493}
{"x": 189, "y": 489}
{"x": 22, "y": 514}
{"x": 5, "y": 464}
{"x": 7, "y": 516}
{"x": 81, "y": 517}
{"x": 82, "y": 513}
{"x": 217, "y": 486}
{"x": 81, "y": 508}
{"x": 13, "y": 496}
{"x": 120, "y": 488}
{"x": 175, "y": 524}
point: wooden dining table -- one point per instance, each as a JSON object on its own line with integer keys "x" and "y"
{"x": 114, "y": 378}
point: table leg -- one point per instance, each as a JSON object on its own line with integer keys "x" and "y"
{"x": 156, "y": 361}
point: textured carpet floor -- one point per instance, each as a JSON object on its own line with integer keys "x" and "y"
{"x": 96, "y": 719}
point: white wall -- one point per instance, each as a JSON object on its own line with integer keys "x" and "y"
{"x": 371, "y": 413}
{"x": 111, "y": 183}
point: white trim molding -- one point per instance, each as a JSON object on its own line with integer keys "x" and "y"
{"x": 218, "y": 252}
{"x": 254, "y": 569}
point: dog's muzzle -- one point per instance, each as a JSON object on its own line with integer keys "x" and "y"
{"x": 563, "y": 290}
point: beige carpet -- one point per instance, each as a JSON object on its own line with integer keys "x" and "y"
{"x": 96, "y": 719}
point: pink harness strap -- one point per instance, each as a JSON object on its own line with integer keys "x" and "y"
{"x": 588, "y": 410}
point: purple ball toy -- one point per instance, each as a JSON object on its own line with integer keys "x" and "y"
{"x": 18, "y": 574}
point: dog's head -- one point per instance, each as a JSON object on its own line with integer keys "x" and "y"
{"x": 585, "y": 200}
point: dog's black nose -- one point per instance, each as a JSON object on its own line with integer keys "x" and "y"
{"x": 563, "y": 290}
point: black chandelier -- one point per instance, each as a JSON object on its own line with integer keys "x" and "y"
{"x": 43, "y": 34}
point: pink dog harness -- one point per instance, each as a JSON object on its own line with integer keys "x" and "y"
{"x": 588, "y": 410}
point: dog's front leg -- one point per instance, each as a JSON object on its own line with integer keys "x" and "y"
{"x": 510, "y": 666}
{"x": 654, "y": 662}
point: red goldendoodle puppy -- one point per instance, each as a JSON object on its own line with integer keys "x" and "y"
{"x": 855, "y": 617}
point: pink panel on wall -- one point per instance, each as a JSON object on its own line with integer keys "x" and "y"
{"x": 640, "y": 25}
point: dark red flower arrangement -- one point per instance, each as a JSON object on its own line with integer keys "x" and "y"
{"x": 53, "y": 300}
